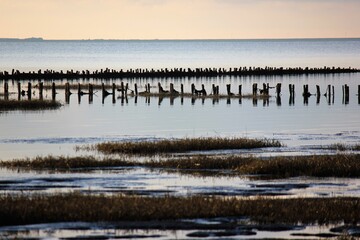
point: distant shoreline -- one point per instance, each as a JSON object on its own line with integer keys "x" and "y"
{"x": 40, "y": 39}
{"x": 32, "y": 39}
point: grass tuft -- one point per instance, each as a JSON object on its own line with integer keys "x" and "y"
{"x": 25, "y": 209}
{"x": 8, "y": 105}
{"x": 67, "y": 163}
{"x": 344, "y": 147}
{"x": 316, "y": 166}
{"x": 183, "y": 145}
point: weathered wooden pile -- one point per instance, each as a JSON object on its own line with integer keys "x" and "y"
{"x": 166, "y": 73}
{"x": 124, "y": 91}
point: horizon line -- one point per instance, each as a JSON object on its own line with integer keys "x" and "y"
{"x": 176, "y": 39}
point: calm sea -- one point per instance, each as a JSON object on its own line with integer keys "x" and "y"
{"x": 79, "y": 55}
{"x": 300, "y": 126}
{"x": 304, "y": 127}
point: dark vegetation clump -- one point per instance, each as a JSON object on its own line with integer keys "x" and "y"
{"x": 31, "y": 209}
{"x": 344, "y": 147}
{"x": 8, "y": 105}
{"x": 347, "y": 165}
{"x": 183, "y": 145}
{"x": 65, "y": 163}
{"x": 342, "y": 165}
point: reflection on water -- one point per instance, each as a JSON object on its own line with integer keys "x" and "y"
{"x": 144, "y": 182}
{"x": 85, "y": 120}
{"x": 236, "y": 228}
{"x": 305, "y": 121}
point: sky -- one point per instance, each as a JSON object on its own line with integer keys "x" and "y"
{"x": 179, "y": 19}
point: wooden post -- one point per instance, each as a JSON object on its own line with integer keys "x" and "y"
{"x": 91, "y": 92}
{"x": 228, "y": 89}
{"x": 264, "y": 88}
{"x": 29, "y": 91}
{"x": 122, "y": 88}
{"x": 318, "y": 94}
{"x": 161, "y": 90}
{"x": 79, "y": 98}
{"x": 306, "y": 90}
{"x": 192, "y": 89}
{"x": 203, "y": 91}
{"x": 79, "y": 89}
{"x": 91, "y": 89}
{"x": 278, "y": 89}
{"x": 126, "y": 88}
{"x": 182, "y": 89}
{"x": 240, "y": 90}
{"x": 306, "y": 94}
{"x": 67, "y": 90}
{"x": 359, "y": 90}
{"x": 148, "y": 88}
{"x": 6, "y": 88}
{"x": 217, "y": 90}
{"x": 135, "y": 89}
{"x": 19, "y": 90}
{"x": 103, "y": 93}
{"x": 254, "y": 89}
{"x": 329, "y": 90}
{"x": 41, "y": 87}
{"x": 6, "y": 91}
{"x": 318, "y": 90}
{"x": 113, "y": 93}
{"x": 347, "y": 93}
{"x": 293, "y": 90}
{"x": 53, "y": 91}
{"x": 171, "y": 88}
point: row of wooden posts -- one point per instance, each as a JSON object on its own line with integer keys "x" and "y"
{"x": 124, "y": 88}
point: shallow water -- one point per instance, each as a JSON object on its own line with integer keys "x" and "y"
{"x": 80, "y": 55}
{"x": 208, "y": 230}
{"x": 303, "y": 128}
{"x": 316, "y": 123}
{"x": 145, "y": 182}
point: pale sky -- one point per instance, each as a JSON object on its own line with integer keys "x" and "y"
{"x": 179, "y": 19}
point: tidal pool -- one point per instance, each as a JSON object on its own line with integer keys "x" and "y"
{"x": 181, "y": 229}
{"x": 145, "y": 182}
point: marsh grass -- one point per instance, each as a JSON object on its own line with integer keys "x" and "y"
{"x": 347, "y": 165}
{"x": 342, "y": 165}
{"x": 65, "y": 163}
{"x": 25, "y": 209}
{"x": 183, "y": 145}
{"x": 344, "y": 147}
{"x": 8, "y": 105}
